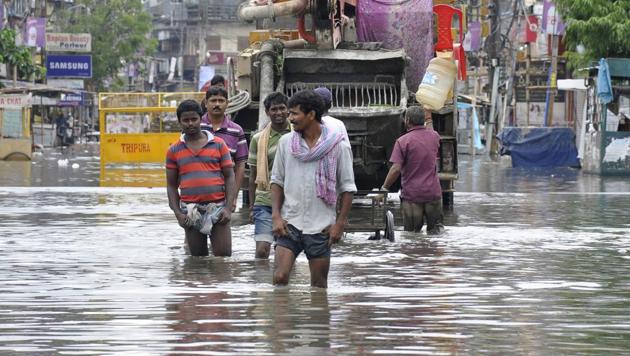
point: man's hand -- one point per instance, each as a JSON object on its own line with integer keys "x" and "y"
{"x": 225, "y": 217}
{"x": 335, "y": 232}
{"x": 280, "y": 227}
{"x": 182, "y": 219}
{"x": 251, "y": 214}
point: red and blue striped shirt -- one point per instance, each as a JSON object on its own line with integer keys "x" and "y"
{"x": 200, "y": 173}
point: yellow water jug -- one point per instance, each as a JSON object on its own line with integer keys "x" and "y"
{"x": 436, "y": 84}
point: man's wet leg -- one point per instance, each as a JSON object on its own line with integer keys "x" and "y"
{"x": 319, "y": 271}
{"x": 263, "y": 249}
{"x": 413, "y": 216}
{"x": 283, "y": 261}
{"x": 221, "y": 240}
{"x": 197, "y": 242}
{"x": 434, "y": 216}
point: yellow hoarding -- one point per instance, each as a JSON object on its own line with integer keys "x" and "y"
{"x": 136, "y": 148}
{"x": 136, "y": 130}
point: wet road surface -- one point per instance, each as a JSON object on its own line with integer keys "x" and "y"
{"x": 532, "y": 262}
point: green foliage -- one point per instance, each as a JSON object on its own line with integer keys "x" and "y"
{"x": 601, "y": 26}
{"x": 120, "y": 32}
{"x": 18, "y": 56}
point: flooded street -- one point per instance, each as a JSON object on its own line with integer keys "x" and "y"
{"x": 532, "y": 262}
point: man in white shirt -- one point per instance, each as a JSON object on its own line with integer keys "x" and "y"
{"x": 311, "y": 169}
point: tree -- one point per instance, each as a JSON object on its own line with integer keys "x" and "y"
{"x": 602, "y": 27}
{"x": 17, "y": 56}
{"x": 120, "y": 32}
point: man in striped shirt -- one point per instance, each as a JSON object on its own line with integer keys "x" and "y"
{"x": 200, "y": 174}
{"x": 220, "y": 125}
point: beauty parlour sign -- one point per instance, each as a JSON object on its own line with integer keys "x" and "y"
{"x": 69, "y": 42}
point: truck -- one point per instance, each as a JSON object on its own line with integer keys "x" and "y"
{"x": 371, "y": 84}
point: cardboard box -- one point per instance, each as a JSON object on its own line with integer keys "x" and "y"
{"x": 244, "y": 62}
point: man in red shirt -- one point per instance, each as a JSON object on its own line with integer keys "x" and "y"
{"x": 414, "y": 156}
{"x": 200, "y": 184}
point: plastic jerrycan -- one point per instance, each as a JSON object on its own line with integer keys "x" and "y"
{"x": 437, "y": 83}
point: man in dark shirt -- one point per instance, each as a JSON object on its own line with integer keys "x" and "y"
{"x": 414, "y": 156}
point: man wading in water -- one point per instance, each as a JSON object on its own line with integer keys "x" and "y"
{"x": 199, "y": 164}
{"x": 415, "y": 156}
{"x": 218, "y": 123}
{"x": 262, "y": 151}
{"x": 310, "y": 170}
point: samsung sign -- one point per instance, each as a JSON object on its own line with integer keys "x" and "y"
{"x": 69, "y": 66}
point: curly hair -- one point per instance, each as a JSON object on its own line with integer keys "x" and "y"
{"x": 308, "y": 101}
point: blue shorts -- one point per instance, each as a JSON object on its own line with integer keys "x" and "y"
{"x": 313, "y": 245}
{"x": 262, "y": 223}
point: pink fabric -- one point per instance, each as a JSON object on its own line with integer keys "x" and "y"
{"x": 325, "y": 151}
{"x": 400, "y": 24}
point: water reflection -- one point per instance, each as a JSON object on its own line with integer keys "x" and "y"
{"x": 95, "y": 270}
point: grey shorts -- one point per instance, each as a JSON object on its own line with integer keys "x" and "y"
{"x": 313, "y": 245}
{"x": 416, "y": 214}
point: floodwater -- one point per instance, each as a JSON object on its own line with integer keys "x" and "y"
{"x": 532, "y": 262}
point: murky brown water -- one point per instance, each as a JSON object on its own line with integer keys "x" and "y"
{"x": 531, "y": 263}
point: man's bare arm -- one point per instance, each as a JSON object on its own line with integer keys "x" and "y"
{"x": 172, "y": 191}
{"x": 277, "y": 199}
{"x": 392, "y": 175}
{"x": 230, "y": 190}
{"x": 252, "y": 185}
{"x": 239, "y": 173}
{"x": 172, "y": 185}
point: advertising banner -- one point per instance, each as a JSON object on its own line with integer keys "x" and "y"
{"x": 71, "y": 100}
{"x": 135, "y": 147}
{"x": 69, "y": 66}
{"x": 67, "y": 83}
{"x": 69, "y": 42}
{"x": 551, "y": 22}
{"x": 15, "y": 101}
{"x": 530, "y": 29}
{"x": 205, "y": 74}
{"x": 35, "y": 35}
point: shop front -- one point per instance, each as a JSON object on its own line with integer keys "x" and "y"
{"x": 15, "y": 134}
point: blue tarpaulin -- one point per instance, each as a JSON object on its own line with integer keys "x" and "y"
{"x": 539, "y": 147}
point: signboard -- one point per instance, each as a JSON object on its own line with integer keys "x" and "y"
{"x": 69, "y": 66}
{"x": 67, "y": 83}
{"x": 69, "y": 42}
{"x": 219, "y": 57}
{"x": 551, "y": 22}
{"x": 71, "y": 100}
{"x": 472, "y": 41}
{"x": 205, "y": 74}
{"x": 136, "y": 147}
{"x": 215, "y": 57}
{"x": 15, "y": 101}
{"x": 530, "y": 29}
{"x": 35, "y": 35}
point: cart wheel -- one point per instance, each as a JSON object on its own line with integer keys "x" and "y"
{"x": 389, "y": 226}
